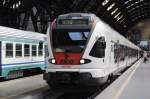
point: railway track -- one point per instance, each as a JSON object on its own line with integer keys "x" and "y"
{"x": 41, "y": 93}
{"x": 86, "y": 95}
{"x": 44, "y": 92}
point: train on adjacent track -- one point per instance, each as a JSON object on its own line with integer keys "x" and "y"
{"x": 20, "y": 51}
{"x": 84, "y": 50}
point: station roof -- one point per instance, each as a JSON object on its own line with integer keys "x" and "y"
{"x": 120, "y": 14}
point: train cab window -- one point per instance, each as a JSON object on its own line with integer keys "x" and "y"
{"x": 40, "y": 50}
{"x": 18, "y": 50}
{"x": 69, "y": 41}
{"x": 9, "y": 50}
{"x": 34, "y": 50}
{"x": 98, "y": 49}
{"x": 78, "y": 35}
{"x": 26, "y": 50}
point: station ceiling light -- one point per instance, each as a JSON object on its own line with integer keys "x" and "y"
{"x": 113, "y": 12}
{"x": 110, "y": 7}
{"x": 118, "y": 18}
{"x": 122, "y": 20}
{"x": 117, "y": 15}
{"x": 105, "y": 2}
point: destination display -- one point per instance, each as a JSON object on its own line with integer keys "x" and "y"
{"x": 73, "y": 21}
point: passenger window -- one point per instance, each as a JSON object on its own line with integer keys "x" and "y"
{"x": 40, "y": 50}
{"x": 98, "y": 49}
{"x": 18, "y": 49}
{"x": 116, "y": 53}
{"x": 34, "y": 50}
{"x": 9, "y": 50}
{"x": 26, "y": 50}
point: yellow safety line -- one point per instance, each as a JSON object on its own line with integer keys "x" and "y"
{"x": 125, "y": 83}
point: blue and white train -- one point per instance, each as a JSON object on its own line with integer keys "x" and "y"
{"x": 20, "y": 50}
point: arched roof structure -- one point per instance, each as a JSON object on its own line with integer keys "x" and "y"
{"x": 120, "y": 14}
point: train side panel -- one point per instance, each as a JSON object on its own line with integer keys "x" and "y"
{"x": 20, "y": 62}
{"x": 12, "y": 49}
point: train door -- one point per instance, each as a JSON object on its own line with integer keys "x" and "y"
{"x": 116, "y": 54}
{"x": 0, "y": 59}
{"x": 111, "y": 55}
{"x": 126, "y": 55}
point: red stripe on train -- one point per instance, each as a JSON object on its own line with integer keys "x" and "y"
{"x": 67, "y": 58}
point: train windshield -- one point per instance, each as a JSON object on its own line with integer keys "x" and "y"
{"x": 69, "y": 41}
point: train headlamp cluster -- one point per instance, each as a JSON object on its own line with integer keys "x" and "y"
{"x": 85, "y": 61}
{"x": 82, "y": 61}
{"x": 53, "y": 61}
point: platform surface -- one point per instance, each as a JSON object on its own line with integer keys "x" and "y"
{"x": 138, "y": 87}
{"x": 133, "y": 84}
{"x": 19, "y": 86}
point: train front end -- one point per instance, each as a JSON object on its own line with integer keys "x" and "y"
{"x": 69, "y": 61}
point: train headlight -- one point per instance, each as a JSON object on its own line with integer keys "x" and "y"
{"x": 82, "y": 61}
{"x": 53, "y": 61}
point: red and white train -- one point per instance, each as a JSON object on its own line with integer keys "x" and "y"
{"x": 83, "y": 50}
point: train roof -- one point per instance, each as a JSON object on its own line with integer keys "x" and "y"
{"x": 20, "y": 34}
{"x": 113, "y": 33}
{"x": 90, "y": 16}
{"x": 76, "y": 15}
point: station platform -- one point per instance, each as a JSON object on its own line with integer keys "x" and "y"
{"x": 12, "y": 88}
{"x": 133, "y": 84}
{"x": 138, "y": 87}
